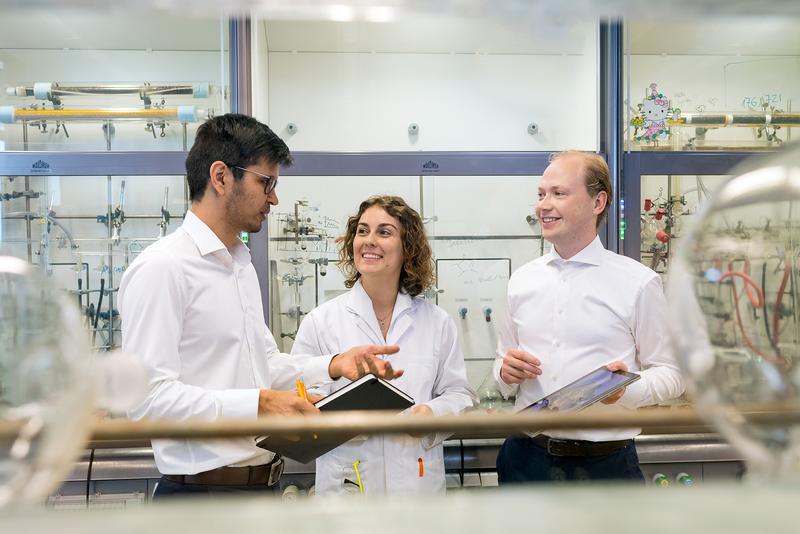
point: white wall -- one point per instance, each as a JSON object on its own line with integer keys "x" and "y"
{"x": 365, "y": 102}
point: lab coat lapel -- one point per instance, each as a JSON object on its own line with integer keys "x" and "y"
{"x": 402, "y": 318}
{"x": 360, "y": 305}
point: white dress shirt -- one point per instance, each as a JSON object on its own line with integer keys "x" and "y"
{"x": 434, "y": 374}
{"x": 191, "y": 310}
{"x": 579, "y": 314}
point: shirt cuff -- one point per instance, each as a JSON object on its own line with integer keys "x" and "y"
{"x": 316, "y": 370}
{"x": 238, "y": 403}
{"x": 430, "y": 441}
{"x": 636, "y": 395}
{"x": 506, "y": 390}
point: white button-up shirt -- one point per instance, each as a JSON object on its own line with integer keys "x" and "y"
{"x": 579, "y": 314}
{"x": 191, "y": 310}
{"x": 434, "y": 374}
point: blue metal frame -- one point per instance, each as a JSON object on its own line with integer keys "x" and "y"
{"x": 418, "y": 164}
{"x": 92, "y": 163}
{"x": 306, "y": 163}
{"x": 611, "y": 124}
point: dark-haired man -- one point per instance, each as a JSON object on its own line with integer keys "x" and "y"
{"x": 571, "y": 311}
{"x": 191, "y": 310}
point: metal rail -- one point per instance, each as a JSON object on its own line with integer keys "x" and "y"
{"x": 476, "y": 424}
{"x": 9, "y": 114}
{"x": 744, "y": 120}
{"x": 47, "y": 89}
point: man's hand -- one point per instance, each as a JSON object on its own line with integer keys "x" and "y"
{"x": 519, "y": 366}
{"x": 419, "y": 409}
{"x": 359, "y": 361}
{"x": 615, "y": 366}
{"x": 272, "y": 402}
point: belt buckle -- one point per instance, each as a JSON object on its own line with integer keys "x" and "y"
{"x": 553, "y": 447}
{"x": 275, "y": 472}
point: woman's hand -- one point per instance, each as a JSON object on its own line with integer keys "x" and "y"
{"x": 364, "y": 359}
{"x": 420, "y": 409}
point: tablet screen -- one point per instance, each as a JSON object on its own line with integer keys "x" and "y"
{"x": 585, "y": 391}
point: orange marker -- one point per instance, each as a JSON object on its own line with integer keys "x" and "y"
{"x": 301, "y": 392}
{"x": 301, "y": 389}
{"x": 421, "y": 467}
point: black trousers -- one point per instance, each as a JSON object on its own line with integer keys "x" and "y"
{"x": 168, "y": 489}
{"x": 521, "y": 460}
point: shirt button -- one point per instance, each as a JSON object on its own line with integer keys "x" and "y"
{"x": 554, "y": 378}
{"x": 560, "y": 312}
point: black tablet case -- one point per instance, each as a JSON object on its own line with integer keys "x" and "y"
{"x": 367, "y": 393}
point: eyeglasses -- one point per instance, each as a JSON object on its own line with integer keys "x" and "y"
{"x": 270, "y": 182}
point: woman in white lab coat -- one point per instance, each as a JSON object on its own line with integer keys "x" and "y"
{"x": 387, "y": 262}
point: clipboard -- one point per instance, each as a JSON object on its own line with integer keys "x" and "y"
{"x": 367, "y": 393}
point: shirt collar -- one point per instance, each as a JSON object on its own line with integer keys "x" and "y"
{"x": 591, "y": 254}
{"x": 360, "y": 302}
{"x": 208, "y": 242}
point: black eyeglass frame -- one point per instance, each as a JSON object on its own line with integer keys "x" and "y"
{"x": 270, "y": 182}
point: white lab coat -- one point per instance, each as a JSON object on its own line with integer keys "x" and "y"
{"x": 435, "y": 375}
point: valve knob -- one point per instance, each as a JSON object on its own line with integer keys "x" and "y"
{"x": 661, "y": 480}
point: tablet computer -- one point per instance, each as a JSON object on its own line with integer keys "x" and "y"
{"x": 367, "y": 393}
{"x": 585, "y": 391}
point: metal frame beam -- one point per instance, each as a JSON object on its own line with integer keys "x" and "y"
{"x": 306, "y": 163}
{"x": 92, "y": 163}
{"x": 610, "y": 105}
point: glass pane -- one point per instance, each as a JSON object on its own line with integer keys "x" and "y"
{"x": 668, "y": 205}
{"x": 416, "y": 84}
{"x": 476, "y": 246}
{"x": 62, "y": 225}
{"x": 108, "y": 81}
{"x": 719, "y": 84}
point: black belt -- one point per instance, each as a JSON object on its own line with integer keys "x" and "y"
{"x": 574, "y": 447}
{"x": 255, "y": 475}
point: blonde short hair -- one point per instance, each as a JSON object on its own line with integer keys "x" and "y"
{"x": 595, "y": 174}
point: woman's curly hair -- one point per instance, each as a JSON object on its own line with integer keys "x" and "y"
{"x": 417, "y": 273}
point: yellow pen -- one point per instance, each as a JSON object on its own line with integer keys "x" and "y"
{"x": 301, "y": 389}
{"x": 358, "y": 477}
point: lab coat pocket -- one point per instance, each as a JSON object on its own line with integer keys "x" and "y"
{"x": 352, "y": 477}
{"x": 415, "y": 468}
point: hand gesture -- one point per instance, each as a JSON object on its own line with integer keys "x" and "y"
{"x": 519, "y": 366}
{"x": 364, "y": 359}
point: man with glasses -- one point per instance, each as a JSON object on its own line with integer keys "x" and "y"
{"x": 191, "y": 310}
